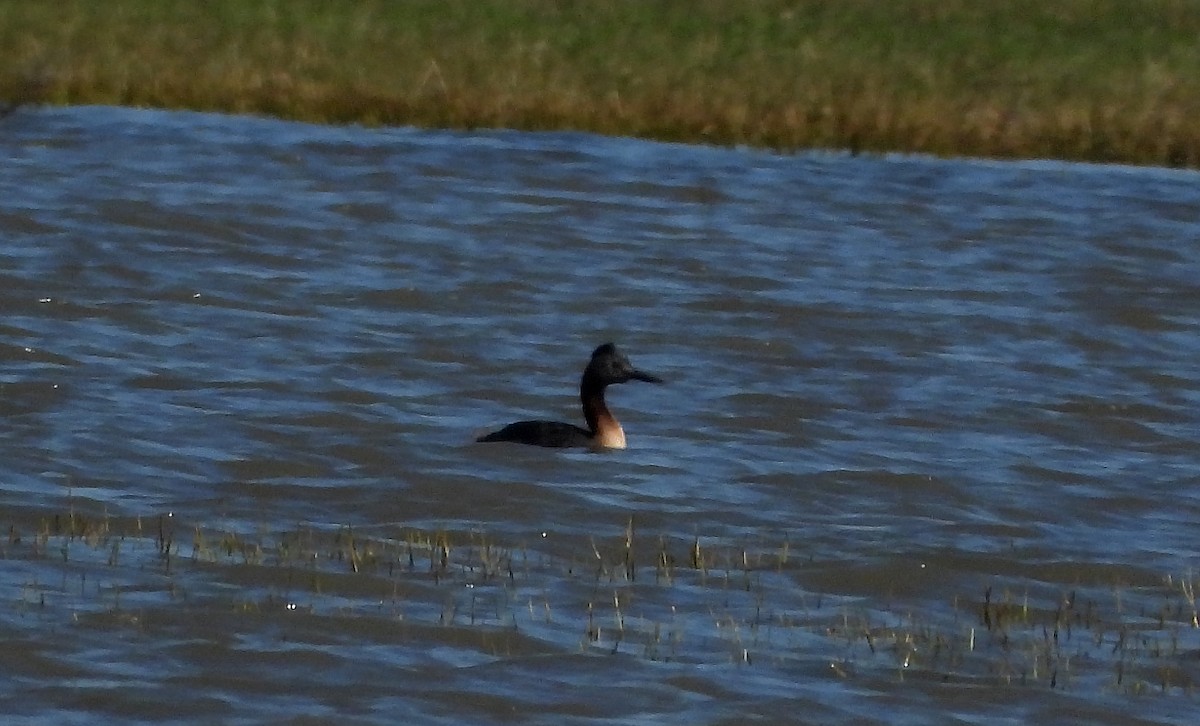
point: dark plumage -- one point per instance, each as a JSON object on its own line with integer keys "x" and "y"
{"x": 607, "y": 366}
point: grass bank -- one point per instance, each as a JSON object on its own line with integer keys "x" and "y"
{"x": 1096, "y": 80}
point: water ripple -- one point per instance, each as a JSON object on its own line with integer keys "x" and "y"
{"x": 894, "y": 385}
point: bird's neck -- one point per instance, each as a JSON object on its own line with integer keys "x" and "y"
{"x": 606, "y": 430}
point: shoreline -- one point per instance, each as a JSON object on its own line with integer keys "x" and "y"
{"x": 1079, "y": 80}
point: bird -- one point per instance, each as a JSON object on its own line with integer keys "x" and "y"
{"x": 606, "y": 367}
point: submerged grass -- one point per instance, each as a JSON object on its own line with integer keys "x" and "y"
{"x": 643, "y": 594}
{"x": 1097, "y": 80}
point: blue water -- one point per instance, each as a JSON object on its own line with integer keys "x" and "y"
{"x": 921, "y": 416}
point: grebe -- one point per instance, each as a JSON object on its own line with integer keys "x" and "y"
{"x": 607, "y": 366}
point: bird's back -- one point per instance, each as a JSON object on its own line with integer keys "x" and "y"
{"x": 541, "y": 433}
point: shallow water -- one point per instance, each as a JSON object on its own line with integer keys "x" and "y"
{"x": 927, "y": 451}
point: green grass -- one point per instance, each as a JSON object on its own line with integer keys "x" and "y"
{"x": 1098, "y": 80}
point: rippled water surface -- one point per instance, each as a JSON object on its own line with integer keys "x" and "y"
{"x": 928, "y": 447}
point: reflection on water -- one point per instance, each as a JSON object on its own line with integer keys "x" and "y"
{"x": 929, "y": 432}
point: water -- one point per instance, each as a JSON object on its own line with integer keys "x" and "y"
{"x": 927, "y": 451}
